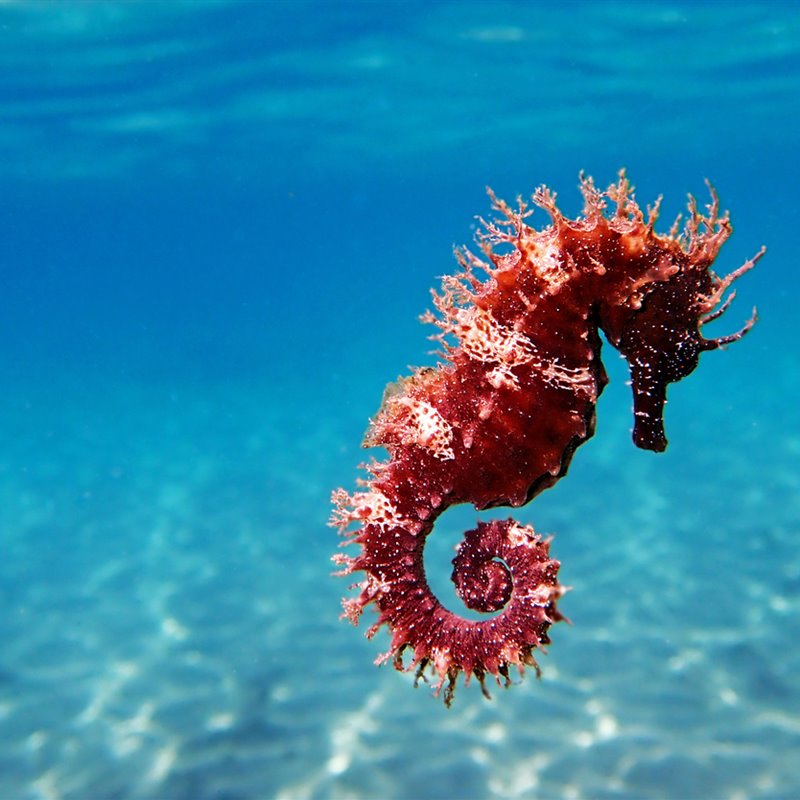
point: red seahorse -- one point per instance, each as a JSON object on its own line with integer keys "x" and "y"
{"x": 499, "y": 421}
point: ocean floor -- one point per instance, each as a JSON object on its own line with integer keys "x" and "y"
{"x": 171, "y": 627}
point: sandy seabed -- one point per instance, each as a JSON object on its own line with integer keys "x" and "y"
{"x": 171, "y": 628}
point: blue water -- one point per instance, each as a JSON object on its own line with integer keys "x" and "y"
{"x": 219, "y": 222}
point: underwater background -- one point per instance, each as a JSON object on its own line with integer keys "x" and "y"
{"x": 219, "y": 223}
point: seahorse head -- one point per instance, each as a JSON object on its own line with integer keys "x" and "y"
{"x": 662, "y": 339}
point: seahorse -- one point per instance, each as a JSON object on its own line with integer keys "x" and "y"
{"x": 499, "y": 419}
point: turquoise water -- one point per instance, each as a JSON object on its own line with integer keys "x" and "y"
{"x": 219, "y": 222}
